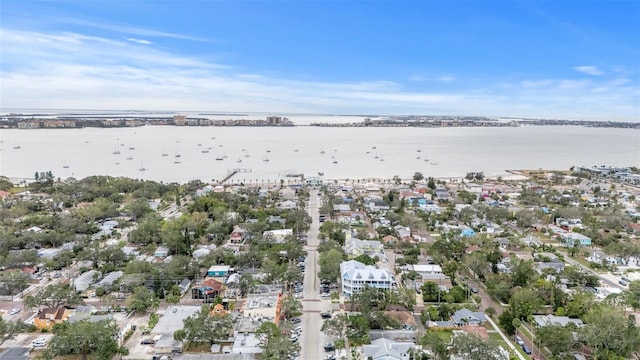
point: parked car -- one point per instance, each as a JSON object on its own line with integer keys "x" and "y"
{"x": 147, "y": 342}
{"x": 526, "y": 349}
{"x": 14, "y": 311}
{"x": 519, "y": 340}
{"x": 325, "y": 315}
{"x": 329, "y": 347}
{"x": 39, "y": 342}
{"x": 296, "y": 320}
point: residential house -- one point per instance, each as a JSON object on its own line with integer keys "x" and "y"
{"x": 237, "y": 235}
{"x": 219, "y": 271}
{"x": 49, "y": 317}
{"x": 530, "y": 240}
{"x": 209, "y": 289}
{"x": 85, "y": 280}
{"x": 546, "y": 320}
{"x": 441, "y": 193}
{"x": 464, "y": 317}
{"x": 355, "y": 247}
{"x": 356, "y": 275}
{"x": 287, "y": 205}
{"x": 161, "y": 252}
{"x": 184, "y": 285}
{"x": 385, "y": 349}
{"x": 467, "y": 232}
{"x": 108, "y": 281}
{"x": 570, "y": 239}
{"x": 277, "y": 236}
{"x": 273, "y": 219}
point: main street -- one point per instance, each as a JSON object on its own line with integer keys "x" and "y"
{"x": 312, "y": 339}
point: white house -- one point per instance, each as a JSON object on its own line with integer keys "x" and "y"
{"x": 385, "y": 349}
{"x": 356, "y": 275}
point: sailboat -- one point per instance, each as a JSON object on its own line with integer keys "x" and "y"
{"x": 266, "y": 159}
{"x": 116, "y": 151}
{"x": 142, "y": 168}
{"x": 164, "y": 153}
{"x": 65, "y": 166}
{"x": 131, "y": 147}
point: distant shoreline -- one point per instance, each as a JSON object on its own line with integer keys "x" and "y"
{"x": 57, "y": 121}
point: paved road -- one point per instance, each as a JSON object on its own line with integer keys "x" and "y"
{"x": 312, "y": 339}
{"x": 604, "y": 280}
{"x": 488, "y": 302}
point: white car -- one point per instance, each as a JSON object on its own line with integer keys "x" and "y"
{"x": 40, "y": 342}
{"x": 14, "y": 311}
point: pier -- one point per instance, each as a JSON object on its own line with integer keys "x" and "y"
{"x": 231, "y": 173}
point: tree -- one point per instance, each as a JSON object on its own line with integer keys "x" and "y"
{"x": 558, "y": 339}
{"x": 204, "y": 328}
{"x": 434, "y": 342}
{"x": 632, "y": 296}
{"x": 506, "y": 322}
{"x": 291, "y": 307}
{"x": 276, "y": 345}
{"x": 84, "y": 338}
{"x": 524, "y": 303}
{"x": 473, "y": 347}
{"x": 430, "y": 291}
{"x": 56, "y": 295}
{"x": 13, "y": 282}
{"x": 141, "y": 300}
{"x": 417, "y": 176}
{"x": 610, "y": 334}
{"x": 246, "y": 284}
{"x": 337, "y": 326}
{"x": 330, "y": 265}
{"x": 365, "y": 259}
{"x": 9, "y": 329}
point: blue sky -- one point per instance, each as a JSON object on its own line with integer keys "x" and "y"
{"x": 551, "y": 59}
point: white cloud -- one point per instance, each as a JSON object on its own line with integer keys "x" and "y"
{"x": 139, "y": 41}
{"x": 70, "y": 70}
{"x": 447, "y": 78}
{"x": 589, "y": 70}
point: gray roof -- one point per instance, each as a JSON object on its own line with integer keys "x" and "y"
{"x": 467, "y": 316}
{"x": 386, "y": 349}
{"x": 172, "y": 321}
{"x": 544, "y": 320}
{"x": 109, "y": 279}
{"x": 15, "y": 353}
{"x": 85, "y": 280}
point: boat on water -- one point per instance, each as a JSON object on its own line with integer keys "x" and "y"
{"x": 131, "y": 147}
{"x": 239, "y": 160}
{"x": 247, "y": 155}
{"x": 266, "y": 159}
{"x": 199, "y": 144}
{"x": 219, "y": 158}
{"x": 335, "y": 161}
{"x": 295, "y": 150}
{"x": 165, "y": 154}
{"x": 204, "y": 151}
{"x": 419, "y": 150}
{"x": 177, "y": 162}
{"x": 116, "y": 151}
{"x": 65, "y": 166}
{"x": 142, "y": 168}
{"x": 17, "y": 147}
{"x": 321, "y": 151}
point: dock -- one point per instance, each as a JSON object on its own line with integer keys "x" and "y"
{"x": 231, "y": 173}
